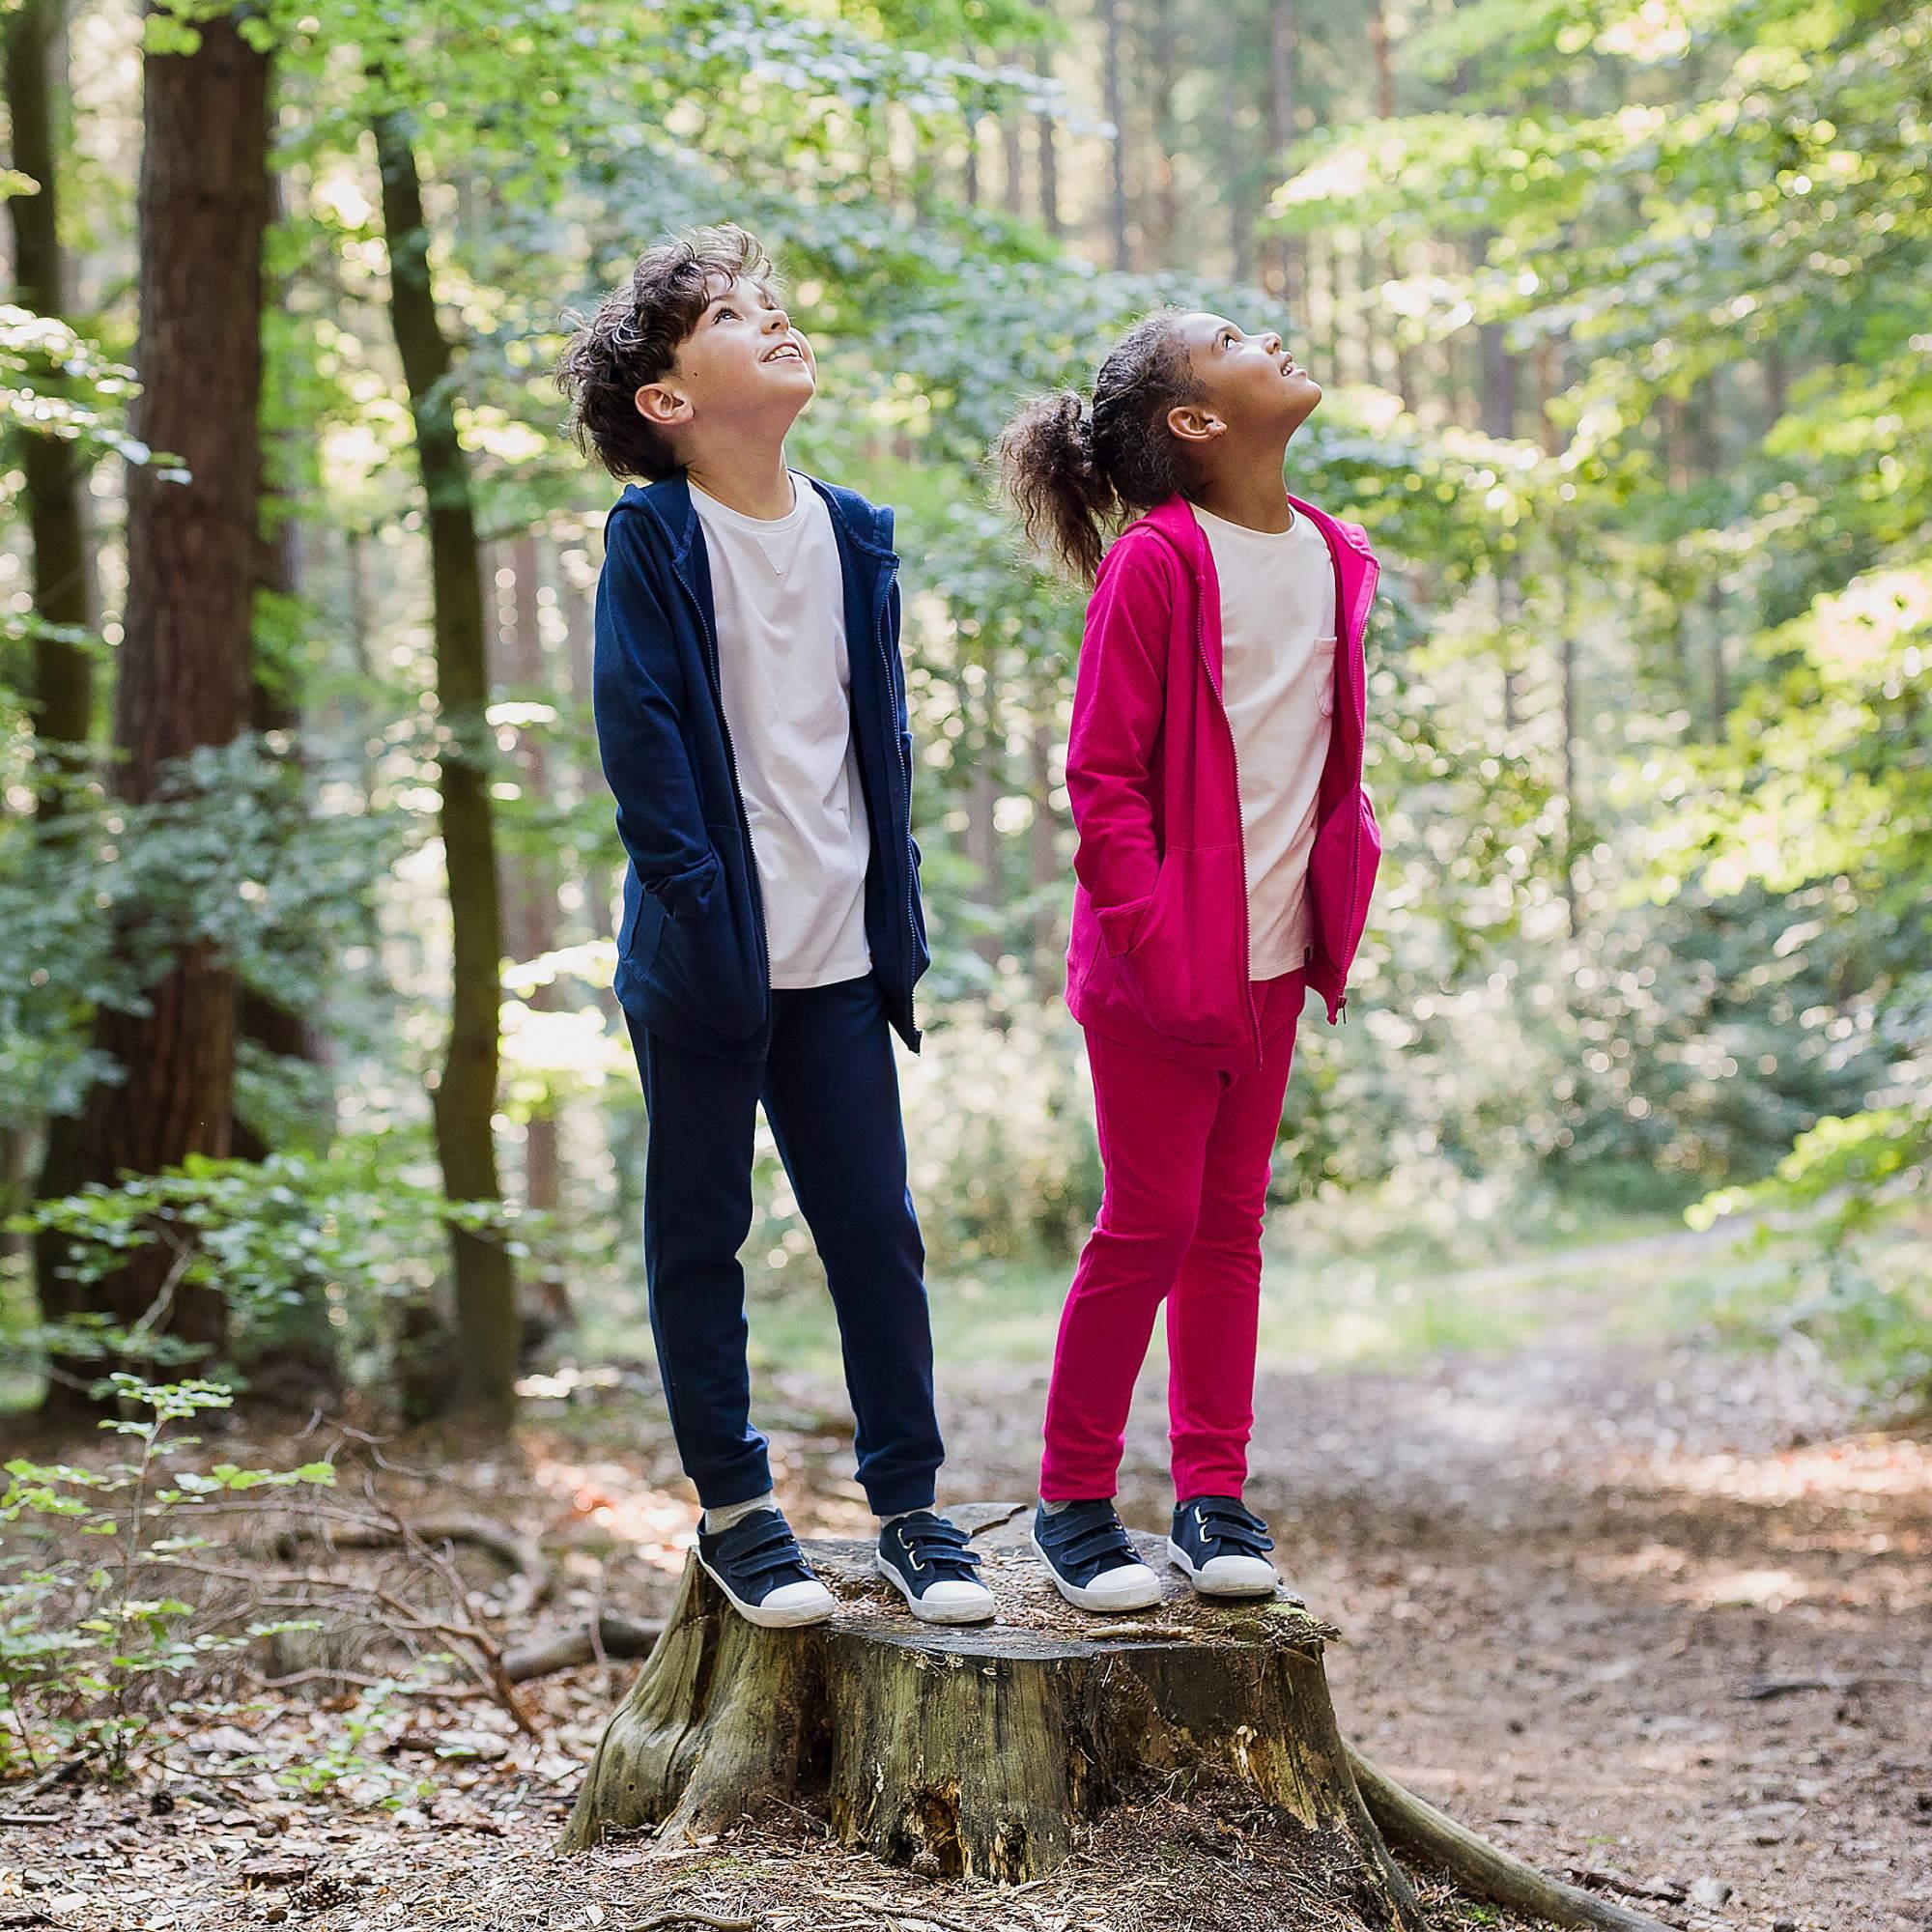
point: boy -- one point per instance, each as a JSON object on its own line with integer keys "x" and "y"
{"x": 752, "y": 720}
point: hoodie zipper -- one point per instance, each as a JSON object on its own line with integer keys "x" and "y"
{"x": 902, "y": 763}
{"x": 737, "y": 795}
{"x": 1240, "y": 834}
{"x": 1346, "y": 652}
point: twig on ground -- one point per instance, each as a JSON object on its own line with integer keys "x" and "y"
{"x": 892, "y": 1908}
{"x": 1757, "y": 1690}
{"x": 689, "y": 1915}
{"x": 591, "y": 1642}
{"x": 520, "y": 1554}
{"x": 55, "y": 1774}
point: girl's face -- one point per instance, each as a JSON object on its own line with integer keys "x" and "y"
{"x": 1248, "y": 383}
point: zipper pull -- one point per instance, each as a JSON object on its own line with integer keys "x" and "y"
{"x": 1342, "y": 1010}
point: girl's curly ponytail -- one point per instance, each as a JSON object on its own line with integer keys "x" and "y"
{"x": 1075, "y": 474}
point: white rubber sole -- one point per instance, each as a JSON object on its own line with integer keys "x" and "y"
{"x": 1180, "y": 1560}
{"x": 937, "y": 1613}
{"x": 794, "y": 1616}
{"x": 1103, "y": 1603}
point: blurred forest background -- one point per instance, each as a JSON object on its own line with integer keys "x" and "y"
{"x": 310, "y": 1080}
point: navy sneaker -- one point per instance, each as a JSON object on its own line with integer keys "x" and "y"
{"x": 758, "y": 1565}
{"x": 1223, "y": 1547}
{"x": 926, "y": 1560}
{"x": 1092, "y": 1559}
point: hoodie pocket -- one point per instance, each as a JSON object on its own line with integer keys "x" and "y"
{"x": 1342, "y": 876}
{"x": 1183, "y": 973}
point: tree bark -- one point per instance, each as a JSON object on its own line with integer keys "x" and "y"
{"x": 185, "y": 657}
{"x": 465, "y": 1100}
{"x": 55, "y": 492}
{"x": 55, "y": 472}
{"x": 1044, "y": 131}
{"x": 1282, "y": 51}
{"x": 1113, "y": 104}
{"x": 531, "y": 888}
{"x": 1160, "y": 39}
{"x": 887, "y": 1723}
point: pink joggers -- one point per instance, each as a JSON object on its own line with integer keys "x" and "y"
{"x": 1184, "y": 1150}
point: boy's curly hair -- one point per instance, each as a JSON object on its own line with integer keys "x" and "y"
{"x": 634, "y": 339}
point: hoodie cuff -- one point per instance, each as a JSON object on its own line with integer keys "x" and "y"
{"x": 1121, "y": 926}
{"x": 687, "y": 894}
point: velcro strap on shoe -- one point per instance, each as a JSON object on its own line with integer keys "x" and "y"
{"x": 1235, "y": 1525}
{"x": 938, "y": 1547}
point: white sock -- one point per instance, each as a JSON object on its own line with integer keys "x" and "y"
{"x": 723, "y": 1519}
{"x": 898, "y": 1516}
{"x": 1054, "y": 1509}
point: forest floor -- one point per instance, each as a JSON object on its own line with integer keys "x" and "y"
{"x": 1654, "y": 1614}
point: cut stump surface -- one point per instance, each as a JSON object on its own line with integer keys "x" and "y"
{"x": 976, "y": 1752}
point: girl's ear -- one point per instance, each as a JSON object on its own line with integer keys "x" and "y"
{"x": 1191, "y": 423}
{"x": 661, "y": 405}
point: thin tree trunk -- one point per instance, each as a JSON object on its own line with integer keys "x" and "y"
{"x": 465, "y": 1100}
{"x": 54, "y": 471}
{"x": 982, "y": 838}
{"x": 185, "y": 653}
{"x": 54, "y": 480}
{"x": 1112, "y": 105}
{"x": 1013, "y": 150}
{"x": 1161, "y": 39}
{"x": 1378, "y": 48}
{"x": 1774, "y": 381}
{"x": 1566, "y": 644}
{"x": 1047, "y": 873}
{"x": 1508, "y": 609}
{"x": 1282, "y": 51}
{"x": 1720, "y": 675}
{"x": 578, "y": 622}
{"x": 1045, "y": 131}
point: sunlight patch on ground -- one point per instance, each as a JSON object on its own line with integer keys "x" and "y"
{"x": 1866, "y": 1465}
{"x": 659, "y": 1527}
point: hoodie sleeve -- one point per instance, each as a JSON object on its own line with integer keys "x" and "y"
{"x": 1119, "y": 694}
{"x": 640, "y": 735}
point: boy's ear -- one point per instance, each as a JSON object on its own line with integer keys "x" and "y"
{"x": 1194, "y": 424}
{"x": 661, "y": 406}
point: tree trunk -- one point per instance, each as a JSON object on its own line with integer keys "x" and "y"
{"x": 886, "y": 1724}
{"x": 1047, "y": 871}
{"x": 1013, "y": 152}
{"x": 1157, "y": 35}
{"x": 1114, "y": 107}
{"x": 1282, "y": 32}
{"x": 465, "y": 1100}
{"x": 530, "y": 882}
{"x": 1566, "y": 646}
{"x": 186, "y": 652}
{"x": 1378, "y": 48}
{"x": 55, "y": 473}
{"x": 54, "y": 490}
{"x": 1045, "y": 129}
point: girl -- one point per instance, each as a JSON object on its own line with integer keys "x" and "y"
{"x": 1226, "y": 855}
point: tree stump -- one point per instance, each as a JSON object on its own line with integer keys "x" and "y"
{"x": 976, "y": 1752}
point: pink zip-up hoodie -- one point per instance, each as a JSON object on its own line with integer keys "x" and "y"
{"x": 1159, "y": 952}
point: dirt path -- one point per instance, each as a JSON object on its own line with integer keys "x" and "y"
{"x": 1581, "y": 1588}
{"x": 1654, "y": 1615}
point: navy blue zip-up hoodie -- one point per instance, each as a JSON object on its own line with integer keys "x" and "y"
{"x": 692, "y": 962}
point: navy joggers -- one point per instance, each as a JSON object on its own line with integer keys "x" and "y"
{"x": 830, "y": 1093}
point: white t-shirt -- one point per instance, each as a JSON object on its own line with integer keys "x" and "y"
{"x": 787, "y": 681}
{"x": 1278, "y": 684}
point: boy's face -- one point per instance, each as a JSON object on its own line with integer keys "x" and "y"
{"x": 1246, "y": 381}
{"x": 743, "y": 364}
